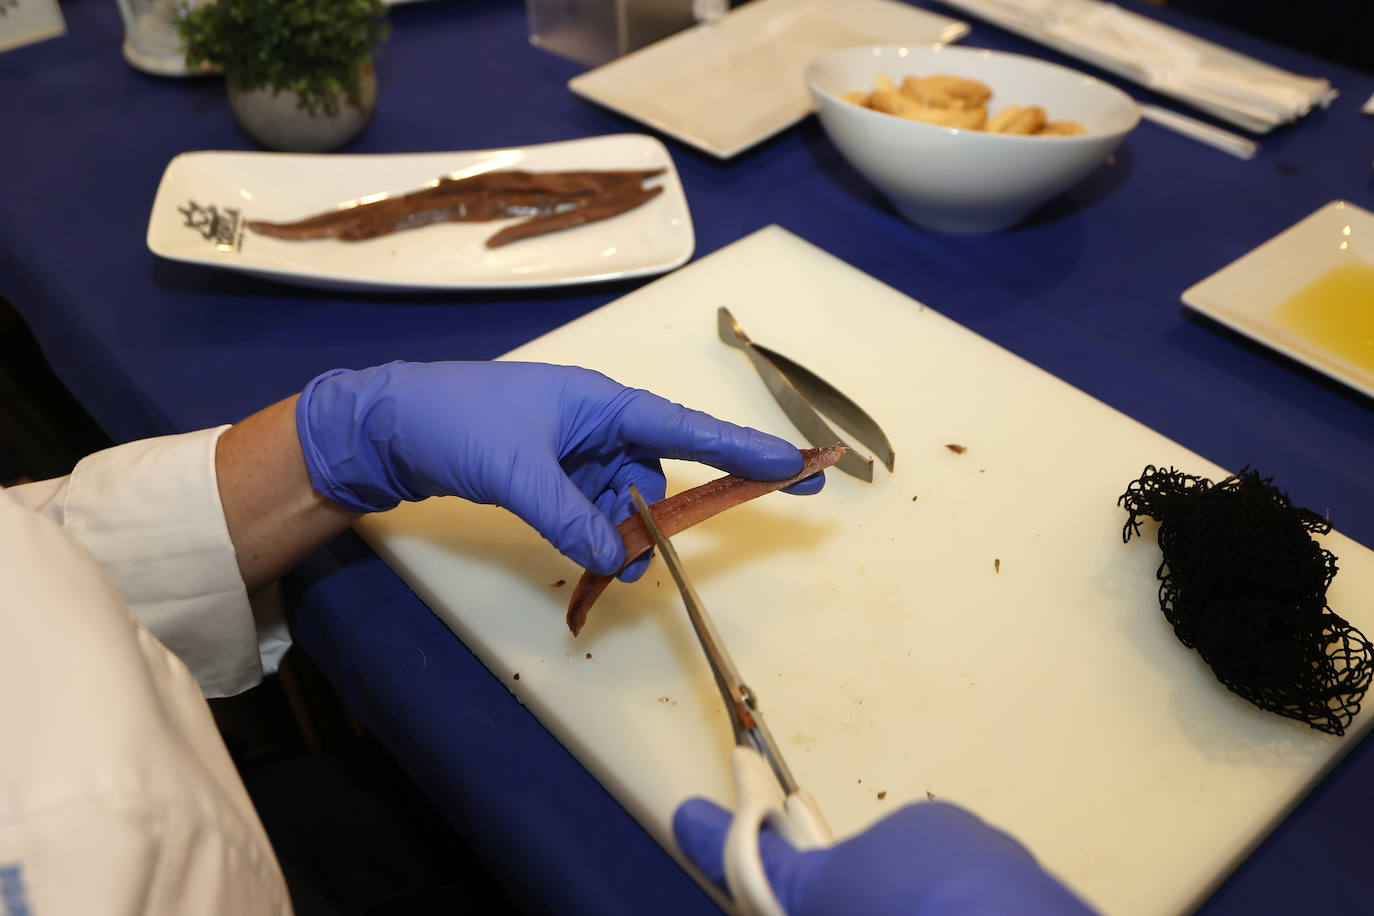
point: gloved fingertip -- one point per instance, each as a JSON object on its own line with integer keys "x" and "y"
{"x": 699, "y": 813}
{"x": 608, "y": 553}
{"x": 623, "y": 505}
{"x": 781, "y": 458}
{"x": 809, "y": 486}
{"x": 588, "y": 538}
{"x": 635, "y": 571}
{"x": 699, "y": 826}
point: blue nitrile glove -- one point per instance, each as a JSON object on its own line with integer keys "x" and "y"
{"x": 926, "y": 859}
{"x": 556, "y": 445}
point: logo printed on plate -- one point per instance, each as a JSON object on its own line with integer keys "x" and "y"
{"x": 222, "y": 228}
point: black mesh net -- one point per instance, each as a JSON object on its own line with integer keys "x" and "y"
{"x": 1244, "y": 582}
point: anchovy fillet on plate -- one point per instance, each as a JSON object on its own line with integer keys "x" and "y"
{"x": 550, "y": 200}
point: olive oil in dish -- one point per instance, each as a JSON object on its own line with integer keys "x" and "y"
{"x": 1336, "y": 312}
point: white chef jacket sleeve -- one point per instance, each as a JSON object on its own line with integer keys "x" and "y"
{"x": 150, "y": 513}
{"x": 117, "y": 795}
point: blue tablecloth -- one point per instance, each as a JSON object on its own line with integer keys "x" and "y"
{"x": 1088, "y": 289}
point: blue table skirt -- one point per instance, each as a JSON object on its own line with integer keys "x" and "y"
{"x": 1087, "y": 289}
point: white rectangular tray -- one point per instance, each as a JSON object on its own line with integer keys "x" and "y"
{"x": 1249, "y": 294}
{"x": 725, "y": 86}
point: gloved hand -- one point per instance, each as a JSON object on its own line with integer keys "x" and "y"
{"x": 926, "y": 859}
{"x": 556, "y": 445}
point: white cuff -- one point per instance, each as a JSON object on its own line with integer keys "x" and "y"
{"x": 150, "y": 513}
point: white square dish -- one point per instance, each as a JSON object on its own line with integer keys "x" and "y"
{"x": 727, "y": 85}
{"x": 1308, "y": 293}
{"x": 205, "y": 198}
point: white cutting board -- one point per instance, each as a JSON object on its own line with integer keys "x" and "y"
{"x": 890, "y": 654}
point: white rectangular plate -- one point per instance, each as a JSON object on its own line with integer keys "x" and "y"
{"x": 1248, "y": 294}
{"x": 725, "y": 86}
{"x": 29, "y": 21}
{"x": 205, "y": 197}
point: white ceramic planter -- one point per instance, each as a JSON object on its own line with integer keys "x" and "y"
{"x": 275, "y": 118}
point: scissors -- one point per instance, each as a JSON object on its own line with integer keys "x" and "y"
{"x": 765, "y": 791}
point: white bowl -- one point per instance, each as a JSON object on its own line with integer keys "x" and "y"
{"x": 968, "y": 181}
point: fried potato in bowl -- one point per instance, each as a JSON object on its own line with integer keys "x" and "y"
{"x": 943, "y": 160}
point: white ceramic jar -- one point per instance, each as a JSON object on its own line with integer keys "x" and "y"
{"x": 275, "y": 118}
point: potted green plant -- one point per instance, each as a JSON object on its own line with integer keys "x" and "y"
{"x": 299, "y": 72}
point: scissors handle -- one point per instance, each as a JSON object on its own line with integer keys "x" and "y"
{"x": 808, "y": 827}
{"x": 759, "y": 803}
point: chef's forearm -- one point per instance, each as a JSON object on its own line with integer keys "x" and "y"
{"x": 274, "y": 515}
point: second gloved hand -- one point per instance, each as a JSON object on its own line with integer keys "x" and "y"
{"x": 556, "y": 445}
{"x": 926, "y": 859}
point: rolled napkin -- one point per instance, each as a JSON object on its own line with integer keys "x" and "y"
{"x": 1228, "y": 85}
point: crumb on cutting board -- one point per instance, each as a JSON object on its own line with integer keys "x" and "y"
{"x": 996, "y": 565}
{"x": 559, "y": 584}
{"x": 956, "y": 448}
{"x": 882, "y": 795}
